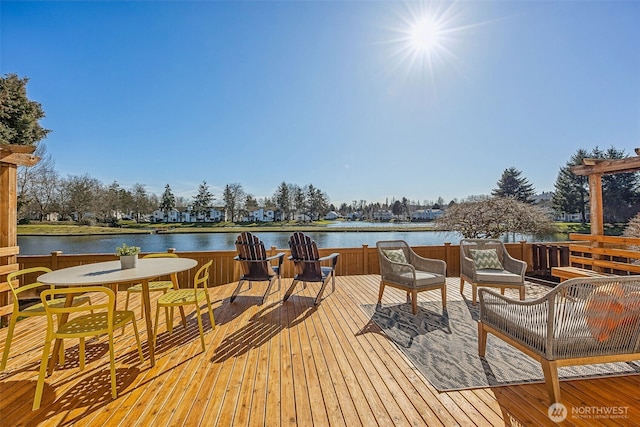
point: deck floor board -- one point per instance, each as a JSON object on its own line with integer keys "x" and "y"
{"x": 289, "y": 363}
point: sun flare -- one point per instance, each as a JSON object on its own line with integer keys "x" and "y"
{"x": 425, "y": 35}
{"x": 426, "y": 38}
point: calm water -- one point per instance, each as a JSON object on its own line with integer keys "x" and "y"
{"x": 43, "y": 245}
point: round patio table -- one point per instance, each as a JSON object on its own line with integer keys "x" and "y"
{"x": 110, "y": 273}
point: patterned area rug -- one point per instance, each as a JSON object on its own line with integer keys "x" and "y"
{"x": 444, "y": 347}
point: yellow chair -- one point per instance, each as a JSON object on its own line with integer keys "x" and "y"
{"x": 184, "y": 297}
{"x": 154, "y": 286}
{"x": 33, "y": 310}
{"x": 102, "y": 319}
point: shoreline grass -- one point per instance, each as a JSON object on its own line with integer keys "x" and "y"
{"x": 68, "y": 229}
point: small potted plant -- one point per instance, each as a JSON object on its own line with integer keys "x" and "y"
{"x": 128, "y": 256}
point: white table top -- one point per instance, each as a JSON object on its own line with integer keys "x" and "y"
{"x": 101, "y": 273}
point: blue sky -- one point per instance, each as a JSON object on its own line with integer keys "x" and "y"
{"x": 366, "y": 100}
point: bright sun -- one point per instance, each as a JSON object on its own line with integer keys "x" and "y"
{"x": 426, "y": 37}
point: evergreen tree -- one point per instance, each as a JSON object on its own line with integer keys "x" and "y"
{"x": 572, "y": 193}
{"x": 283, "y": 199}
{"x": 167, "y": 202}
{"x": 513, "y": 184}
{"x": 202, "y": 202}
{"x": 18, "y": 115}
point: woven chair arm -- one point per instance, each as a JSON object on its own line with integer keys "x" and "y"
{"x": 437, "y": 266}
{"x": 529, "y": 321}
{"x": 513, "y": 265}
{"x": 467, "y": 266}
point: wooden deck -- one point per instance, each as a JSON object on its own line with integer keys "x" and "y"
{"x": 278, "y": 364}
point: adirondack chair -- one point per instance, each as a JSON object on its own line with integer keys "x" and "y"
{"x": 256, "y": 266}
{"x": 308, "y": 265}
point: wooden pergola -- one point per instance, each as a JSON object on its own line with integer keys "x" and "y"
{"x": 11, "y": 156}
{"x": 594, "y": 169}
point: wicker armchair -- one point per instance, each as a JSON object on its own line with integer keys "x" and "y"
{"x": 509, "y": 273}
{"x": 402, "y": 268}
{"x": 582, "y": 321}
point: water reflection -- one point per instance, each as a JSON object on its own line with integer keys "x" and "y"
{"x": 43, "y": 245}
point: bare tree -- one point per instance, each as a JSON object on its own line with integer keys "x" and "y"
{"x": 493, "y": 217}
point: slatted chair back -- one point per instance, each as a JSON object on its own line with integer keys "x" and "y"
{"x": 251, "y": 249}
{"x": 305, "y": 255}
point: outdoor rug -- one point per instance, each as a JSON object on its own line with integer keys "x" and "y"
{"x": 444, "y": 347}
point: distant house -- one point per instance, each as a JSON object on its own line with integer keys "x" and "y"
{"x": 303, "y": 217}
{"x": 383, "y": 215}
{"x": 332, "y": 215}
{"x": 262, "y": 215}
{"x": 426, "y": 214}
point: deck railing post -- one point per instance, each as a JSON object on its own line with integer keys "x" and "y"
{"x": 365, "y": 259}
{"x": 54, "y": 259}
{"x": 447, "y": 256}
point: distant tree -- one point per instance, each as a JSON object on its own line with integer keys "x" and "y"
{"x": 571, "y": 193}
{"x": 513, "y": 184}
{"x": 167, "y": 202}
{"x": 141, "y": 201}
{"x": 30, "y": 182}
{"x": 491, "y": 218}
{"x": 19, "y": 116}
{"x": 202, "y": 202}
{"x": 317, "y": 202}
{"x": 282, "y": 198}
{"x": 81, "y": 195}
{"x": 619, "y": 190}
{"x": 396, "y": 208}
{"x": 233, "y": 197}
{"x": 250, "y": 203}
{"x": 299, "y": 200}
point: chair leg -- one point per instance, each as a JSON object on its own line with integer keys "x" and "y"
{"x": 522, "y": 293}
{"x": 82, "y": 353}
{"x": 474, "y": 291}
{"x": 7, "y": 343}
{"x": 443, "y": 291}
{"x": 482, "y": 340}
{"x": 200, "y": 328}
{"x": 550, "y": 370}
{"x": 236, "y": 291}
{"x": 126, "y": 307}
{"x": 213, "y": 321}
{"x": 268, "y": 291}
{"x": 333, "y": 280}
{"x": 321, "y": 291}
{"x": 290, "y": 290}
{"x": 112, "y": 362}
{"x": 461, "y": 285}
{"x": 137, "y": 335}
{"x": 414, "y": 301}
{"x": 155, "y": 327}
{"x": 381, "y": 291}
{"x": 43, "y": 372}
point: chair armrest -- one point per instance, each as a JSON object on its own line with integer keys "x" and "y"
{"x": 430, "y": 265}
{"x": 279, "y": 256}
{"x": 467, "y": 266}
{"x": 513, "y": 265}
{"x": 333, "y": 256}
{"x": 520, "y": 320}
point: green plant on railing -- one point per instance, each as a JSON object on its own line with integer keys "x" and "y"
{"x": 127, "y": 250}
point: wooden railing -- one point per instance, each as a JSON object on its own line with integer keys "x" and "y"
{"x": 351, "y": 262}
{"x": 597, "y": 255}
